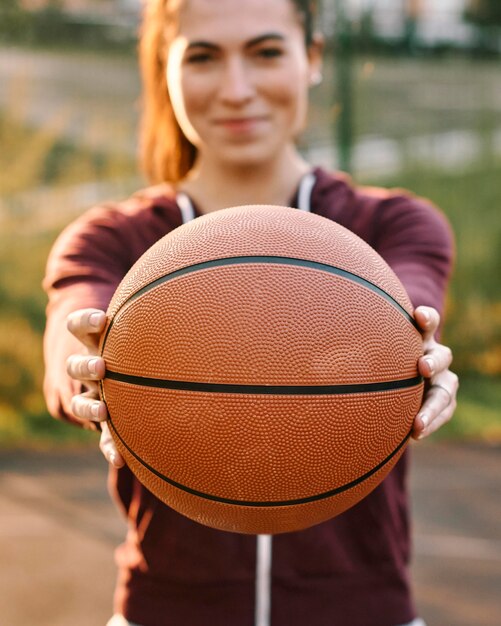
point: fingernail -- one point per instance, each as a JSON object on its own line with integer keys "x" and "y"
{"x": 113, "y": 458}
{"x": 95, "y": 409}
{"x": 95, "y": 319}
{"x": 92, "y": 366}
{"x": 430, "y": 364}
{"x": 424, "y": 420}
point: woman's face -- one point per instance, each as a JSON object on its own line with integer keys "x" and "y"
{"x": 238, "y": 74}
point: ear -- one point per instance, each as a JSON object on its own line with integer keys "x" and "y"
{"x": 315, "y": 53}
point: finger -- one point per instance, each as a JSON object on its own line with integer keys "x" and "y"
{"x": 109, "y": 449}
{"x": 85, "y": 368}
{"x": 440, "y": 400}
{"x": 436, "y": 359}
{"x": 87, "y": 325}
{"x": 428, "y": 320}
{"x": 86, "y": 406}
{"x": 441, "y": 419}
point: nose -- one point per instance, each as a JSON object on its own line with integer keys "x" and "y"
{"x": 237, "y": 86}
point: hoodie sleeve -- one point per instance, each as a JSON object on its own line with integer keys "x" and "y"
{"x": 416, "y": 241}
{"x": 83, "y": 270}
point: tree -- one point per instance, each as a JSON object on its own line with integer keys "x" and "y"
{"x": 14, "y": 21}
{"x": 486, "y": 16}
{"x": 486, "y": 13}
{"x": 412, "y": 14}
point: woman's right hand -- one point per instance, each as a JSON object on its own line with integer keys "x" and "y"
{"x": 88, "y": 368}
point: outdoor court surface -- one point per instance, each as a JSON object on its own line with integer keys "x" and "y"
{"x": 58, "y": 530}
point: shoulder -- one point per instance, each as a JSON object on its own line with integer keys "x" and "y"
{"x": 375, "y": 212}
{"x": 133, "y": 224}
{"x": 110, "y": 237}
{"x": 145, "y": 207}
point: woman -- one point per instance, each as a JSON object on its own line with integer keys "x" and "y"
{"x": 226, "y": 88}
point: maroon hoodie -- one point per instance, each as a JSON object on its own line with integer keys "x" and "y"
{"x": 350, "y": 571}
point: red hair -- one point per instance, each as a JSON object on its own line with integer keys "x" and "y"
{"x": 166, "y": 154}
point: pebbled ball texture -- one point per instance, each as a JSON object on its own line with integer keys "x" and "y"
{"x": 190, "y": 358}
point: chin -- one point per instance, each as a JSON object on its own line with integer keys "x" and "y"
{"x": 249, "y": 156}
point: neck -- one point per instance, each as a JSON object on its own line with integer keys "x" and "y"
{"x": 216, "y": 186}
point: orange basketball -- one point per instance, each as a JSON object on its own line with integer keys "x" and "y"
{"x": 261, "y": 369}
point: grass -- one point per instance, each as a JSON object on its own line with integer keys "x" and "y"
{"x": 478, "y": 413}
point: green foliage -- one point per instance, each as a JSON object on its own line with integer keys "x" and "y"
{"x": 15, "y": 23}
{"x": 23, "y": 416}
{"x": 52, "y": 26}
{"x": 485, "y": 13}
{"x": 477, "y": 415}
{"x": 22, "y": 259}
{"x": 31, "y": 158}
{"x": 34, "y": 157}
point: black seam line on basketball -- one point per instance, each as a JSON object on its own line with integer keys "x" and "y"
{"x": 272, "y": 260}
{"x": 281, "y": 390}
{"x": 264, "y": 503}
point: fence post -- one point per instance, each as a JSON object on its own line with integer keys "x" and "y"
{"x": 343, "y": 64}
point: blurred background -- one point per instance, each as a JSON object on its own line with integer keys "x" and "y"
{"x": 411, "y": 97}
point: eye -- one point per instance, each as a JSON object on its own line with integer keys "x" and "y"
{"x": 270, "y": 52}
{"x": 199, "y": 58}
{"x": 199, "y": 55}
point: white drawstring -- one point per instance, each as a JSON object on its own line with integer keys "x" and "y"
{"x": 265, "y": 542}
{"x": 263, "y": 580}
{"x": 306, "y": 185}
{"x": 185, "y": 206}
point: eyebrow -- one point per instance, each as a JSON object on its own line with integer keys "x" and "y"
{"x": 253, "y": 42}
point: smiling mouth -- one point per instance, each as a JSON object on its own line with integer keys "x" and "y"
{"x": 240, "y": 123}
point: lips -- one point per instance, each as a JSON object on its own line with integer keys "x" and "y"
{"x": 241, "y": 124}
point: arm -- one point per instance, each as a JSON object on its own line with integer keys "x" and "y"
{"x": 417, "y": 242}
{"x": 84, "y": 268}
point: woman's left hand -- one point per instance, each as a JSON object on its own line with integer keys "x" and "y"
{"x": 442, "y": 385}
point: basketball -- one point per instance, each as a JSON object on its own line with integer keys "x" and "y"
{"x": 261, "y": 369}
